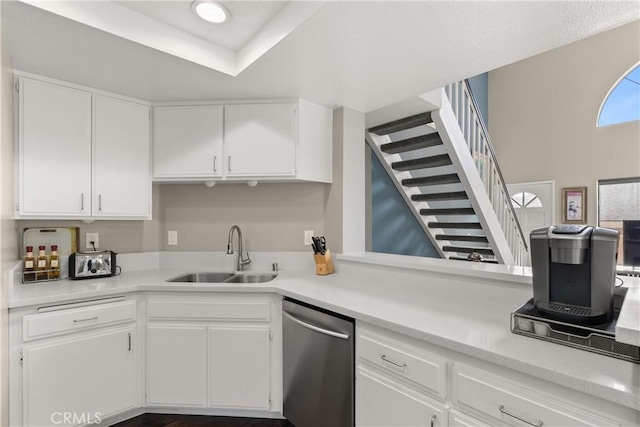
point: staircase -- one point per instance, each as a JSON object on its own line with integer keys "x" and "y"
{"x": 444, "y": 166}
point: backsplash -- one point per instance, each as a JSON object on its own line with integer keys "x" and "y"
{"x": 272, "y": 217}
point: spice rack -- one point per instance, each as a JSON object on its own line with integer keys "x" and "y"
{"x": 36, "y": 276}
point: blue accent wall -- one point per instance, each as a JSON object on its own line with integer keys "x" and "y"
{"x": 480, "y": 89}
{"x": 394, "y": 228}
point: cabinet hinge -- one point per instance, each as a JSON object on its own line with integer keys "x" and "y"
{"x": 21, "y": 358}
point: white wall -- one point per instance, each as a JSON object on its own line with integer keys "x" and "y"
{"x": 544, "y": 110}
{"x": 8, "y": 233}
{"x": 345, "y": 209}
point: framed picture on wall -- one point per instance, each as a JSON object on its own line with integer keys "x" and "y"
{"x": 574, "y": 205}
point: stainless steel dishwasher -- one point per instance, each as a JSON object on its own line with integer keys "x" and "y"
{"x": 318, "y": 366}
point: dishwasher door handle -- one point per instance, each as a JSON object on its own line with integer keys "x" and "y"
{"x": 315, "y": 328}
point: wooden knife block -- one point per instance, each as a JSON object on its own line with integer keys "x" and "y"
{"x": 324, "y": 264}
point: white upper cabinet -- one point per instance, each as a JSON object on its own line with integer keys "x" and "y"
{"x": 260, "y": 139}
{"x": 54, "y": 150}
{"x": 81, "y": 155}
{"x": 187, "y": 142}
{"x": 289, "y": 140}
{"x": 121, "y": 172}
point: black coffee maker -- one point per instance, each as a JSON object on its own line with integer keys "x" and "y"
{"x": 574, "y": 270}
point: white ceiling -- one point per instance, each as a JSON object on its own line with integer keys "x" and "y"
{"x": 363, "y": 54}
{"x": 247, "y": 18}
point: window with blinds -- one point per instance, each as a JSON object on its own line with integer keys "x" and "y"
{"x": 619, "y": 208}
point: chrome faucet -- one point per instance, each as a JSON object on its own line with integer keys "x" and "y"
{"x": 241, "y": 262}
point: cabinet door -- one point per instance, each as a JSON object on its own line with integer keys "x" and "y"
{"x": 122, "y": 173}
{"x": 177, "y": 365}
{"x": 239, "y": 366}
{"x": 89, "y": 378}
{"x": 54, "y": 150}
{"x": 187, "y": 142}
{"x": 260, "y": 140}
{"x": 381, "y": 402}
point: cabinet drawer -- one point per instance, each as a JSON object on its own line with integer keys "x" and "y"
{"x": 209, "y": 310}
{"x": 73, "y": 319}
{"x": 514, "y": 404}
{"x": 403, "y": 359}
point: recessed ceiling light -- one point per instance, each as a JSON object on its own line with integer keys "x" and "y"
{"x": 210, "y": 11}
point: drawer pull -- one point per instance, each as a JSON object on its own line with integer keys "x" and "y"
{"x": 433, "y": 420}
{"x": 504, "y": 411}
{"x": 85, "y": 320}
{"x": 399, "y": 365}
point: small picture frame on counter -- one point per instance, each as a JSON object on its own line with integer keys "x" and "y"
{"x": 574, "y": 205}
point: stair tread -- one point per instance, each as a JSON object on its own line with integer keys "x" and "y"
{"x": 411, "y": 144}
{"x": 461, "y": 238}
{"x": 447, "y": 211}
{"x": 422, "y": 163}
{"x": 431, "y": 180}
{"x": 402, "y": 124}
{"x": 468, "y": 225}
{"x": 468, "y": 250}
{"x": 453, "y": 195}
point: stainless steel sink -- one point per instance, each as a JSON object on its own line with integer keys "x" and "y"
{"x": 251, "y": 278}
{"x": 218, "y": 277}
{"x": 206, "y": 277}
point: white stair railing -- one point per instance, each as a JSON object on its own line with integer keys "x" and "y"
{"x": 477, "y": 137}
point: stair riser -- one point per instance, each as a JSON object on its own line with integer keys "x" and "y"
{"x": 399, "y": 125}
{"x": 412, "y": 144}
{"x": 424, "y": 163}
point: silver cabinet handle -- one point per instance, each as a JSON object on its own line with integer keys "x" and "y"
{"x": 215, "y": 160}
{"x": 229, "y": 163}
{"x": 81, "y": 201}
{"x": 539, "y": 423}
{"x": 433, "y": 420}
{"x": 85, "y": 320}
{"x": 315, "y": 328}
{"x": 129, "y": 341}
{"x": 100, "y": 202}
{"x": 386, "y": 359}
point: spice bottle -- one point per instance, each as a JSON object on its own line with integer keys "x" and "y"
{"x": 29, "y": 266}
{"x": 42, "y": 266}
{"x": 54, "y": 263}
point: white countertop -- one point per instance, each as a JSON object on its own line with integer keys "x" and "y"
{"x": 465, "y": 309}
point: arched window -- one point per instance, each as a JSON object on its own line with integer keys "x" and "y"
{"x": 526, "y": 200}
{"x": 622, "y": 103}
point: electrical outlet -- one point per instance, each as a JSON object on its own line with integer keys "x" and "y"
{"x": 308, "y": 234}
{"x": 172, "y": 238}
{"x": 92, "y": 237}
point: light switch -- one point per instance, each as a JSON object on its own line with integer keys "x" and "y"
{"x": 172, "y": 238}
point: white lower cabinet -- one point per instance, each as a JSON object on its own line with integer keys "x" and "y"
{"x": 239, "y": 366}
{"x": 73, "y": 364}
{"x": 382, "y": 402}
{"x": 403, "y": 381}
{"x": 217, "y": 351}
{"x": 176, "y": 365}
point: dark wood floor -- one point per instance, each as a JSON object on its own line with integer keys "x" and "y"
{"x": 168, "y": 420}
